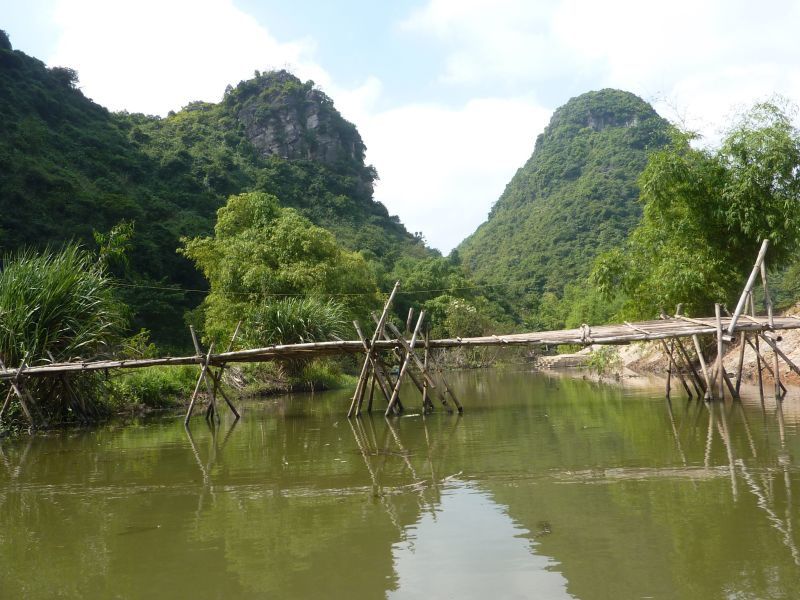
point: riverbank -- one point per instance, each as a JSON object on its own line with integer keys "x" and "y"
{"x": 150, "y": 390}
{"x": 649, "y": 358}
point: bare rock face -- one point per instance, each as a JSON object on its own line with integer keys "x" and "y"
{"x": 285, "y": 117}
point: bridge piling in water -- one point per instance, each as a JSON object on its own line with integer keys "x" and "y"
{"x": 387, "y": 339}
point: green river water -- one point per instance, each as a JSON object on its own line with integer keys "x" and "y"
{"x": 545, "y": 488}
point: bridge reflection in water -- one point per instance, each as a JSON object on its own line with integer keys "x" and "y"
{"x": 546, "y": 488}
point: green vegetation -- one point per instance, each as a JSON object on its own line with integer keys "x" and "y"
{"x": 152, "y": 387}
{"x": 55, "y": 306}
{"x": 705, "y": 214}
{"x": 575, "y": 198}
{"x": 261, "y": 254}
{"x": 283, "y": 278}
{"x": 604, "y": 360}
{"x": 293, "y": 320}
{"x": 69, "y": 168}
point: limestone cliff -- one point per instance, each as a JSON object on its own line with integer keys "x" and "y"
{"x": 285, "y": 117}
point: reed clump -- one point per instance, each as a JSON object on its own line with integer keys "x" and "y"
{"x": 55, "y": 306}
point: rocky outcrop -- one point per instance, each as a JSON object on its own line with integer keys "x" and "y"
{"x": 285, "y": 117}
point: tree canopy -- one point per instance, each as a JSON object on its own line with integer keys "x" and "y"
{"x": 574, "y": 198}
{"x": 262, "y": 254}
{"x": 69, "y": 167}
{"x": 705, "y": 214}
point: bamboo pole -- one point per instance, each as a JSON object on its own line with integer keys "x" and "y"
{"x": 398, "y": 355}
{"x": 426, "y": 403}
{"x": 720, "y": 352}
{"x": 6, "y": 402}
{"x": 197, "y": 386}
{"x": 371, "y": 349}
{"x": 698, "y": 383}
{"x": 780, "y": 353}
{"x": 706, "y": 375}
{"x": 404, "y": 366}
{"x": 771, "y": 320}
{"x": 371, "y": 391}
{"x": 409, "y": 320}
{"x": 16, "y": 386}
{"x": 676, "y": 367}
{"x": 212, "y": 405}
{"x": 757, "y": 349}
{"x": 401, "y": 341}
{"x": 447, "y": 388}
{"x": 377, "y": 370}
{"x": 669, "y": 379}
{"x": 376, "y": 367}
{"x": 742, "y": 344}
{"x": 759, "y": 359}
{"x": 391, "y": 384}
{"x": 218, "y": 377}
{"x": 741, "y": 305}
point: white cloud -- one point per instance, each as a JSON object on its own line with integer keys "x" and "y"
{"x": 443, "y": 165}
{"x": 158, "y": 55}
{"x": 441, "y": 168}
{"x": 708, "y": 56}
{"x": 504, "y": 39}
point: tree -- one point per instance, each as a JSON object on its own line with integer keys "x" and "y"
{"x": 260, "y": 256}
{"x": 65, "y": 76}
{"x": 705, "y": 214}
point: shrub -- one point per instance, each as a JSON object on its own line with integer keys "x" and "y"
{"x": 293, "y": 320}
{"x": 155, "y": 387}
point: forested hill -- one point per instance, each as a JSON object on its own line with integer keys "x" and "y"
{"x": 575, "y": 197}
{"x": 69, "y": 167}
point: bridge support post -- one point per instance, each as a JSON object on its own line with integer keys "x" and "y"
{"x": 17, "y": 387}
{"x": 378, "y": 373}
{"x": 720, "y": 353}
{"x": 404, "y": 366}
{"x": 358, "y": 396}
{"x": 205, "y": 372}
{"x": 200, "y": 379}
{"x": 425, "y": 371}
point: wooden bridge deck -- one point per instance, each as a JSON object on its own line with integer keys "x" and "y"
{"x": 626, "y": 333}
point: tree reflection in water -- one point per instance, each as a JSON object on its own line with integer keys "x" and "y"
{"x": 563, "y": 486}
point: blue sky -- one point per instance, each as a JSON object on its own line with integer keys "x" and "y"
{"x": 448, "y": 95}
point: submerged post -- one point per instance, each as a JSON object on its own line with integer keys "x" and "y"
{"x": 771, "y": 320}
{"x": 720, "y": 351}
{"x": 371, "y": 352}
{"x": 404, "y": 366}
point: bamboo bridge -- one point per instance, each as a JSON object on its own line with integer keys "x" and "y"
{"x": 708, "y": 381}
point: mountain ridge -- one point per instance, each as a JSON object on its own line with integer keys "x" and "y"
{"x": 573, "y": 198}
{"x": 69, "y": 167}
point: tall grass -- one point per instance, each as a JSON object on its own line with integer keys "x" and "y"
{"x": 59, "y": 303}
{"x": 57, "y": 306}
{"x": 293, "y": 320}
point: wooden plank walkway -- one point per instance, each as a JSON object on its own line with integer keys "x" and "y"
{"x": 626, "y": 333}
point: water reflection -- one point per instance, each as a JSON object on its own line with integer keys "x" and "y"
{"x": 470, "y": 548}
{"x": 761, "y": 487}
{"x": 545, "y": 487}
